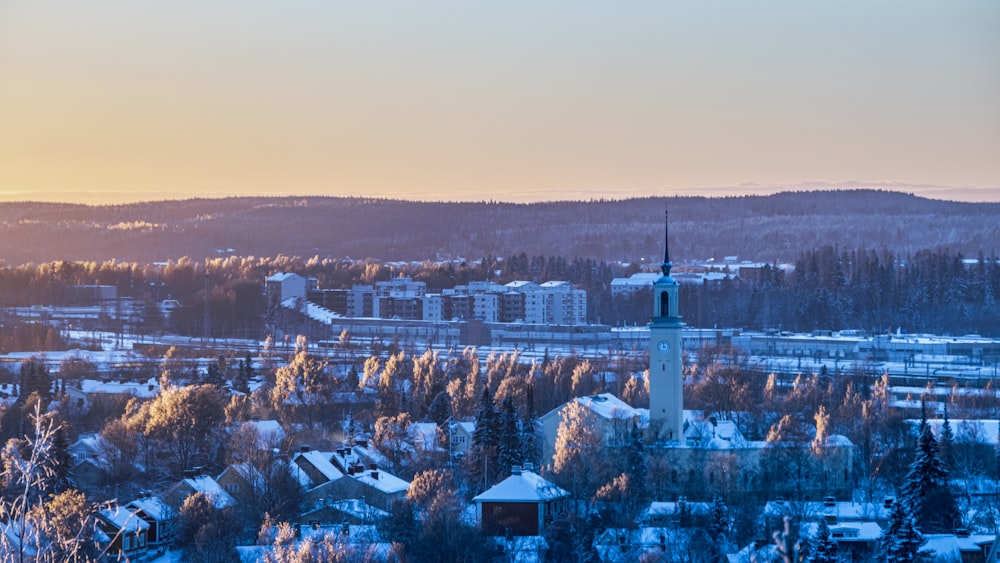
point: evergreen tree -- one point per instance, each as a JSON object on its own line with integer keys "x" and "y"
{"x": 901, "y": 541}
{"x": 439, "y": 410}
{"x": 925, "y": 494}
{"x": 947, "y": 442}
{"x": 35, "y": 379}
{"x": 529, "y": 436}
{"x": 212, "y": 376}
{"x": 241, "y": 382}
{"x": 823, "y": 548}
{"x": 509, "y": 451}
{"x": 718, "y": 520}
{"x": 635, "y": 461}
{"x": 61, "y": 461}
{"x": 484, "y": 440}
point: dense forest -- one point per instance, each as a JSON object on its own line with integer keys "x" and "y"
{"x": 766, "y": 228}
{"x": 933, "y": 291}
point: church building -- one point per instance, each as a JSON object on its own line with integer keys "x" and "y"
{"x": 706, "y": 454}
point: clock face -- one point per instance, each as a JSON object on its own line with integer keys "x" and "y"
{"x": 663, "y": 346}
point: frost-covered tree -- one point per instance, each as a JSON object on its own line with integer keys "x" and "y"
{"x": 579, "y": 458}
{"x": 823, "y": 549}
{"x": 925, "y": 493}
{"x": 509, "y": 448}
{"x": 718, "y": 520}
{"x": 39, "y": 522}
{"x": 485, "y": 440}
{"x": 901, "y": 541}
{"x": 947, "y": 442}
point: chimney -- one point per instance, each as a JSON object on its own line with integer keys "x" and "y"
{"x": 515, "y": 470}
{"x": 375, "y": 475}
{"x": 373, "y": 466}
{"x": 303, "y": 449}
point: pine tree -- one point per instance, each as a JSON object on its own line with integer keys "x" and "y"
{"x": 718, "y": 520}
{"x": 241, "y": 382}
{"x": 529, "y": 437}
{"x": 925, "y": 495}
{"x": 213, "y": 376}
{"x": 901, "y": 541}
{"x": 823, "y": 548}
{"x": 509, "y": 452}
{"x": 635, "y": 461}
{"x": 61, "y": 461}
{"x": 947, "y": 441}
{"x": 484, "y": 440}
{"x": 35, "y": 379}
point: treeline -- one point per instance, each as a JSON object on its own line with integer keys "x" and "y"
{"x": 932, "y": 291}
{"x": 776, "y": 227}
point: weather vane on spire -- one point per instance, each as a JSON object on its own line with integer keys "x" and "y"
{"x": 666, "y": 265}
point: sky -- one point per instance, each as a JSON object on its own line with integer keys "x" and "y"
{"x": 119, "y": 100}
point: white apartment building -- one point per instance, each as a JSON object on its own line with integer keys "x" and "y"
{"x": 553, "y": 302}
{"x": 486, "y": 306}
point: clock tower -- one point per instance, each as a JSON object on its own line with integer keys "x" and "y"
{"x": 666, "y": 390}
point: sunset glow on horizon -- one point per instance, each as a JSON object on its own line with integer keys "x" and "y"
{"x": 119, "y": 101}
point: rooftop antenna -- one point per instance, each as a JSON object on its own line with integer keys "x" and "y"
{"x": 666, "y": 265}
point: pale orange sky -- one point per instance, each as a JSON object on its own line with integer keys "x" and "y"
{"x": 516, "y": 101}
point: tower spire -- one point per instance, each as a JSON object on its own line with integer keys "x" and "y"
{"x": 666, "y": 265}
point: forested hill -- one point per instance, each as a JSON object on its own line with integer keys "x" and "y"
{"x": 777, "y": 227}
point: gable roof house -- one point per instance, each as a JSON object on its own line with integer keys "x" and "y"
{"x": 523, "y": 504}
{"x": 178, "y": 492}
{"x": 126, "y": 531}
{"x": 160, "y": 517}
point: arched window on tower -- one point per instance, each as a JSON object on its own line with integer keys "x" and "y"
{"x": 664, "y": 304}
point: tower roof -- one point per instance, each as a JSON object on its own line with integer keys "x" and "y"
{"x": 666, "y": 265}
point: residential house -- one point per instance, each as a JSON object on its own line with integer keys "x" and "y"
{"x": 160, "y": 517}
{"x": 520, "y": 505}
{"x": 177, "y": 493}
{"x": 125, "y": 529}
{"x": 460, "y": 437}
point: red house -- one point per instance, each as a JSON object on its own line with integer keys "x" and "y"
{"x": 521, "y": 505}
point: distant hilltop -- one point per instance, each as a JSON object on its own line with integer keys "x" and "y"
{"x": 768, "y": 228}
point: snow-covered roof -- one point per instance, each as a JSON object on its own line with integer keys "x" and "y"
{"x": 641, "y": 279}
{"x": 249, "y": 473}
{"x": 154, "y": 507}
{"x": 146, "y": 390}
{"x": 658, "y": 509}
{"x": 468, "y": 427}
{"x": 841, "y": 510}
{"x": 385, "y": 482}
{"x": 211, "y": 488}
{"x": 526, "y": 486}
{"x": 355, "y": 507}
{"x": 269, "y": 430}
{"x": 124, "y": 519}
{"x": 521, "y": 284}
{"x": 972, "y": 430}
{"x": 320, "y": 461}
{"x": 606, "y": 405}
{"x": 949, "y": 547}
{"x": 281, "y": 276}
